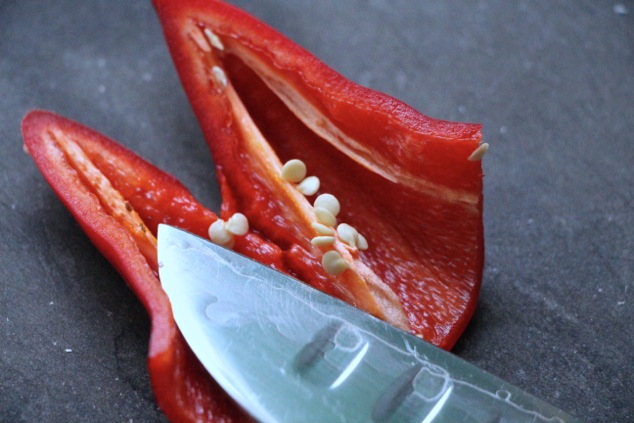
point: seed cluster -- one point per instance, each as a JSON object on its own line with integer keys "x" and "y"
{"x": 294, "y": 171}
{"x": 351, "y": 236}
{"x": 207, "y": 41}
{"x": 224, "y": 232}
{"x": 326, "y": 208}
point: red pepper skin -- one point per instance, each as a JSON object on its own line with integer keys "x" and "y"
{"x": 182, "y": 387}
{"x": 404, "y": 181}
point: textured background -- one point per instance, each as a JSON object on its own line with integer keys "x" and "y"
{"x": 552, "y": 82}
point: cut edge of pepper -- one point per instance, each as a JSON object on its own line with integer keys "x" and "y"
{"x": 41, "y": 130}
{"x": 113, "y": 202}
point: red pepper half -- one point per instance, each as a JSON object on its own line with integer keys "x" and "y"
{"x": 403, "y": 180}
{"x": 119, "y": 199}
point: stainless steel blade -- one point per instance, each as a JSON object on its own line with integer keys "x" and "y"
{"x": 289, "y": 353}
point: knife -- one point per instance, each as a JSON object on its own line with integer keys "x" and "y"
{"x": 289, "y": 353}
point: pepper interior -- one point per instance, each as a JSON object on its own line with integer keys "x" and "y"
{"x": 420, "y": 270}
{"x": 271, "y": 135}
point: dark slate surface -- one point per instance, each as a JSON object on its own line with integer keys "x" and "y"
{"x": 552, "y": 82}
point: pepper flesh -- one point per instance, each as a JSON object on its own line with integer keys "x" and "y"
{"x": 402, "y": 179}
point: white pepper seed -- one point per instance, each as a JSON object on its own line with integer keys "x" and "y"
{"x": 323, "y": 241}
{"x": 348, "y": 234}
{"x": 362, "y": 243}
{"x": 329, "y": 202}
{"x": 322, "y": 229}
{"x": 309, "y": 186}
{"x": 219, "y": 76}
{"x": 479, "y": 152}
{"x": 238, "y": 224}
{"x": 324, "y": 216}
{"x": 200, "y": 41}
{"x": 333, "y": 263}
{"x": 213, "y": 39}
{"x": 219, "y": 234}
{"x": 294, "y": 171}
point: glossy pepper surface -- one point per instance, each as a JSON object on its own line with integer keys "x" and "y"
{"x": 403, "y": 180}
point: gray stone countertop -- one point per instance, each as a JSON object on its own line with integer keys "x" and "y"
{"x": 551, "y": 81}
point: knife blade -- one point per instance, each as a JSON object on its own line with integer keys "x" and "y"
{"x": 287, "y": 352}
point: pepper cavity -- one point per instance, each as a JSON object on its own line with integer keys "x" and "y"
{"x": 224, "y": 233}
{"x": 313, "y": 228}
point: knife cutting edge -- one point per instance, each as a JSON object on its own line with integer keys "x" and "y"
{"x": 287, "y": 352}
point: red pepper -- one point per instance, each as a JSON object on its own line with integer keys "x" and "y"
{"x": 403, "y": 180}
{"x": 119, "y": 199}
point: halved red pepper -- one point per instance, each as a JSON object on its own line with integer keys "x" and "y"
{"x": 403, "y": 180}
{"x": 118, "y": 200}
